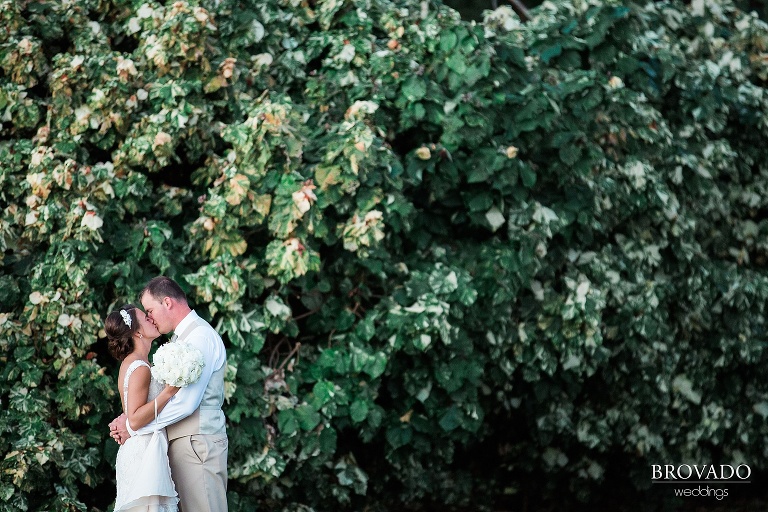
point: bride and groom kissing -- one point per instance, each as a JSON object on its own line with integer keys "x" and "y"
{"x": 173, "y": 440}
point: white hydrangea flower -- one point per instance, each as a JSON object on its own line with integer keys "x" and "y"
{"x": 178, "y": 364}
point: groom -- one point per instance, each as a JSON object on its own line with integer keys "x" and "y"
{"x": 195, "y": 423}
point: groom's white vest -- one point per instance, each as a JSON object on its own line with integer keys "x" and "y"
{"x": 208, "y": 418}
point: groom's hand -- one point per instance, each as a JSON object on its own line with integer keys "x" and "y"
{"x": 117, "y": 429}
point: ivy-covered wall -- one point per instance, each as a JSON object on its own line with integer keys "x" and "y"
{"x": 457, "y": 265}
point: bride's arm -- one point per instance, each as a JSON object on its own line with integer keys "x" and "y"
{"x": 139, "y": 411}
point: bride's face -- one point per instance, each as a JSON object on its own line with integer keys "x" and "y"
{"x": 146, "y": 328}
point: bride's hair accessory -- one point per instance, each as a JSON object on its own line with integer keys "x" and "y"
{"x": 126, "y": 317}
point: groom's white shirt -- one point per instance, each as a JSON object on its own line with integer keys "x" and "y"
{"x": 188, "y": 399}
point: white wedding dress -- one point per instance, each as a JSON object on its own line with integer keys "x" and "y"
{"x": 144, "y": 481}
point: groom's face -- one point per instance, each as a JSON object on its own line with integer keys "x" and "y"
{"x": 157, "y": 313}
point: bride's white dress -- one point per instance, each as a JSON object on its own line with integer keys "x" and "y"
{"x": 143, "y": 474}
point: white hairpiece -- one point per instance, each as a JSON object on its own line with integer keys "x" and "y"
{"x": 126, "y": 317}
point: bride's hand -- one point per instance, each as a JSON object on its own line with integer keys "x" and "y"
{"x": 117, "y": 429}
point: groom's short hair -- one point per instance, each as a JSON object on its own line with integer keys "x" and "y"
{"x": 161, "y": 287}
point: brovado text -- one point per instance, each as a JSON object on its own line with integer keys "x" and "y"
{"x": 669, "y": 472}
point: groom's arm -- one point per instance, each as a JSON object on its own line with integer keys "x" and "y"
{"x": 188, "y": 399}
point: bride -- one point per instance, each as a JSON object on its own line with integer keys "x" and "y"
{"x": 143, "y": 474}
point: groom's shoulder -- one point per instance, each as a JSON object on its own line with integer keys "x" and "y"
{"x": 203, "y": 324}
{"x": 198, "y": 321}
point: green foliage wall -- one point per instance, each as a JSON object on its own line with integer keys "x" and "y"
{"x": 455, "y": 264}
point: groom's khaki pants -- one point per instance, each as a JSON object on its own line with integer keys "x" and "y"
{"x": 199, "y": 470}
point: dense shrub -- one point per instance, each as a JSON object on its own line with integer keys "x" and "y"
{"x": 456, "y": 264}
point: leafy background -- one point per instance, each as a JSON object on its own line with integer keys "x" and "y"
{"x": 457, "y": 265}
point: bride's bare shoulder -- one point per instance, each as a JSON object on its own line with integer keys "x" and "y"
{"x": 126, "y": 363}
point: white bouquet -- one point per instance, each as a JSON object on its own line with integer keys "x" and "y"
{"x": 178, "y": 364}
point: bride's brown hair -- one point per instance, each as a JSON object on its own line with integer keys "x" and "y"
{"x": 119, "y": 333}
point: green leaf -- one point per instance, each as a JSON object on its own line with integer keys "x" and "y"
{"x": 451, "y": 420}
{"x": 307, "y": 417}
{"x": 414, "y": 88}
{"x": 479, "y": 174}
{"x": 448, "y": 41}
{"x": 551, "y": 52}
{"x": 324, "y": 392}
{"x": 287, "y": 422}
{"x": 570, "y": 154}
{"x": 399, "y": 436}
{"x": 528, "y": 176}
{"x": 377, "y": 365}
{"x": 328, "y": 439}
{"x": 480, "y": 202}
{"x": 457, "y": 63}
{"x": 366, "y": 329}
{"x": 358, "y": 411}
